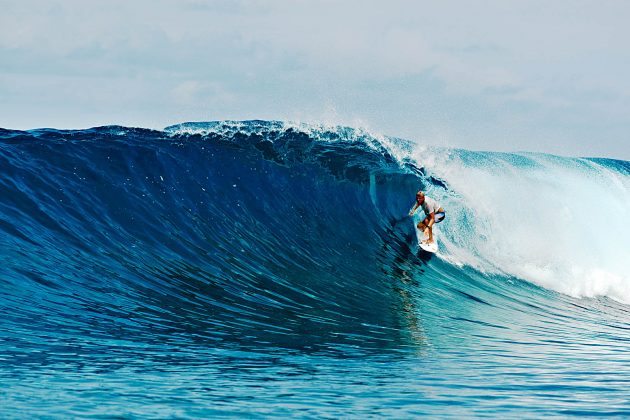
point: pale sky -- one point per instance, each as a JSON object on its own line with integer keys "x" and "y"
{"x": 545, "y": 76}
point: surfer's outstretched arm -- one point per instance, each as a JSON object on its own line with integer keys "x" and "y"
{"x": 413, "y": 210}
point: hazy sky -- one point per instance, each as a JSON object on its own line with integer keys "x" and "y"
{"x": 531, "y": 75}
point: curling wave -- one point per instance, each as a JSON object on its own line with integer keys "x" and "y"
{"x": 263, "y": 232}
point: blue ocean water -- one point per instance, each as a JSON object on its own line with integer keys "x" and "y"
{"x": 267, "y": 269}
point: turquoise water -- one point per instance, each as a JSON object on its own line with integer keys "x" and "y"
{"x": 259, "y": 269}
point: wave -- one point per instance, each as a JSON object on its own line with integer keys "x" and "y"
{"x": 558, "y": 222}
{"x": 269, "y": 232}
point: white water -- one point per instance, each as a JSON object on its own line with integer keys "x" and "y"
{"x": 561, "y": 223}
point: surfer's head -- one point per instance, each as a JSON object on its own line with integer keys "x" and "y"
{"x": 420, "y": 197}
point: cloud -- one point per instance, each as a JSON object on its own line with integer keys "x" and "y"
{"x": 457, "y": 67}
{"x": 198, "y": 93}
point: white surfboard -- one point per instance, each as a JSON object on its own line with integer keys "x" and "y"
{"x": 432, "y": 247}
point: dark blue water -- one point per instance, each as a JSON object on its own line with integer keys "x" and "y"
{"x": 262, "y": 269}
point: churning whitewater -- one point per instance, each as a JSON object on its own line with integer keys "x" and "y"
{"x": 204, "y": 259}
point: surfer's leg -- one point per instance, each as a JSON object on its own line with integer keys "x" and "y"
{"x": 438, "y": 218}
{"x": 423, "y": 226}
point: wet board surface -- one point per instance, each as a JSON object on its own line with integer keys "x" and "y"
{"x": 432, "y": 247}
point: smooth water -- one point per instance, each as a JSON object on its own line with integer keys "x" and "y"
{"x": 263, "y": 269}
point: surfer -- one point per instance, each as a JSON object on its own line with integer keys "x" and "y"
{"x": 433, "y": 212}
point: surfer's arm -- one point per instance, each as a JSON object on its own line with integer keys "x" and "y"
{"x": 413, "y": 210}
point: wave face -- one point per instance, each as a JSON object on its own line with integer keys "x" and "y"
{"x": 269, "y": 268}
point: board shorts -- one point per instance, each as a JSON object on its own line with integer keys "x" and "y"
{"x": 438, "y": 217}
